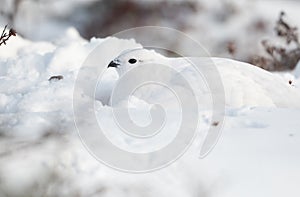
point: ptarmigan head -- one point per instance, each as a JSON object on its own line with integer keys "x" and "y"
{"x": 129, "y": 59}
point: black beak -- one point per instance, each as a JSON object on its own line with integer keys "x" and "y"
{"x": 113, "y": 64}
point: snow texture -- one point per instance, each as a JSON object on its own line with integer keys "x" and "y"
{"x": 41, "y": 154}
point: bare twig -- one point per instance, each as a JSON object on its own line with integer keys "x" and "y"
{"x": 284, "y": 30}
{"x": 5, "y": 36}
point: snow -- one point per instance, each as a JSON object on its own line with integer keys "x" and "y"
{"x": 41, "y": 154}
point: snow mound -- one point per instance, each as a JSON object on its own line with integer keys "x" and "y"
{"x": 30, "y": 104}
{"x": 27, "y": 96}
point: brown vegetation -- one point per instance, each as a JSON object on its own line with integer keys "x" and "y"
{"x": 280, "y": 57}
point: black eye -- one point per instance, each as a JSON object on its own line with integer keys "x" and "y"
{"x": 132, "y": 61}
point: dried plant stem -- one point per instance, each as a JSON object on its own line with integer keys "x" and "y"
{"x": 5, "y": 36}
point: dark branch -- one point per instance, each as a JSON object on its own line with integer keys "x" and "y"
{"x": 5, "y": 36}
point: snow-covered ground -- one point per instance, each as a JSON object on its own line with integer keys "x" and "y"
{"x": 42, "y": 155}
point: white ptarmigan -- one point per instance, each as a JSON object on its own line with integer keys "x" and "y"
{"x": 244, "y": 84}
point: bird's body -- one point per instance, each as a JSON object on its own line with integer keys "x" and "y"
{"x": 244, "y": 84}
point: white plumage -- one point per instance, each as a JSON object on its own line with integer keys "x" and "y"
{"x": 244, "y": 84}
